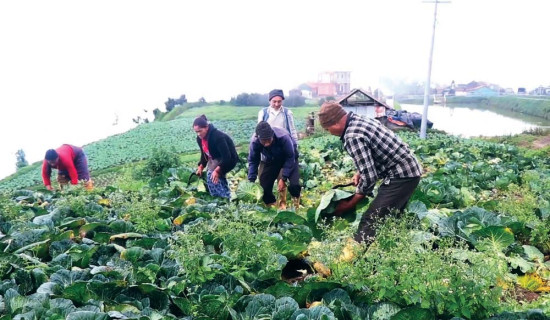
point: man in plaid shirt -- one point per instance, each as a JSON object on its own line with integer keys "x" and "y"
{"x": 378, "y": 153}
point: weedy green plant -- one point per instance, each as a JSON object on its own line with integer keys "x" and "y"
{"x": 9, "y": 211}
{"x": 139, "y": 208}
{"x": 519, "y": 202}
{"x": 410, "y": 267}
{"x": 160, "y": 160}
{"x": 335, "y": 234}
{"x": 540, "y": 236}
{"x": 233, "y": 243}
{"x": 81, "y": 205}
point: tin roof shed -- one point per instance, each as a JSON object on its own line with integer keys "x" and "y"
{"x": 364, "y": 104}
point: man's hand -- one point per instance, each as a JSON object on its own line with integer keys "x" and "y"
{"x": 347, "y": 204}
{"x": 199, "y": 170}
{"x": 356, "y": 179}
{"x": 343, "y": 206}
{"x": 49, "y": 188}
{"x": 215, "y": 176}
{"x": 281, "y": 185}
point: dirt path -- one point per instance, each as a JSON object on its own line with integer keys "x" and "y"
{"x": 541, "y": 142}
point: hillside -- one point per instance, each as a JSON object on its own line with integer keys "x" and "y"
{"x": 474, "y": 242}
{"x": 137, "y": 144}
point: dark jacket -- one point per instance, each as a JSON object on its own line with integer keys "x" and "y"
{"x": 283, "y": 149}
{"x": 221, "y": 148}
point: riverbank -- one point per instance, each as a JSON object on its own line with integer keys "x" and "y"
{"x": 534, "y": 106}
{"x": 537, "y": 141}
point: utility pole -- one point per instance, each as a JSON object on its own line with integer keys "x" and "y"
{"x": 423, "y": 124}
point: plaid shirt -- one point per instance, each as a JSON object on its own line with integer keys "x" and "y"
{"x": 377, "y": 152}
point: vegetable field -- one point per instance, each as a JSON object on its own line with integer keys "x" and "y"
{"x": 474, "y": 242}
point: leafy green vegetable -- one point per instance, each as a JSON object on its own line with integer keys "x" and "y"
{"x": 328, "y": 204}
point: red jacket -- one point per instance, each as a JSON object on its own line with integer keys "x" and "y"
{"x": 67, "y": 156}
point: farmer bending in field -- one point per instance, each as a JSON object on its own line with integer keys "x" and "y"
{"x": 71, "y": 163}
{"x": 378, "y": 154}
{"x": 280, "y": 152}
{"x": 218, "y": 156}
{"x": 278, "y": 116}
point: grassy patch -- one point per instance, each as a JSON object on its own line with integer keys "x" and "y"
{"x": 228, "y": 112}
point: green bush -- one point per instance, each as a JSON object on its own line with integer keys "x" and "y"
{"x": 139, "y": 208}
{"x": 519, "y": 202}
{"x": 160, "y": 160}
{"x": 409, "y": 267}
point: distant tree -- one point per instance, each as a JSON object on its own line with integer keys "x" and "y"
{"x": 252, "y": 99}
{"x": 222, "y": 102}
{"x": 157, "y": 113}
{"x": 202, "y": 100}
{"x": 240, "y": 100}
{"x": 140, "y": 120}
{"x": 295, "y": 92}
{"x": 21, "y": 160}
{"x": 295, "y": 101}
{"x": 171, "y": 103}
{"x": 182, "y": 100}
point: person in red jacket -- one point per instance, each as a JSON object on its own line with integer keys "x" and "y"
{"x": 71, "y": 163}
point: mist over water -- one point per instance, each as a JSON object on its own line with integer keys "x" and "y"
{"x": 468, "y": 121}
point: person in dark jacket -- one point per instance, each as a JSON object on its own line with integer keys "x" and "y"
{"x": 278, "y": 116}
{"x": 218, "y": 156}
{"x": 279, "y": 151}
{"x": 71, "y": 163}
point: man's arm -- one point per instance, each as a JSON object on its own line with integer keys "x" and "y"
{"x": 346, "y": 205}
{"x": 292, "y": 128}
{"x": 68, "y": 163}
{"x": 253, "y": 160}
{"x": 46, "y": 173}
{"x": 288, "y": 151}
{"x": 359, "y": 151}
{"x": 260, "y": 115}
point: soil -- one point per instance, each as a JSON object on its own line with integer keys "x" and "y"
{"x": 524, "y": 295}
{"x": 541, "y": 142}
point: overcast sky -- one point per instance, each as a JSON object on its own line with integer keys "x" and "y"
{"x": 68, "y": 69}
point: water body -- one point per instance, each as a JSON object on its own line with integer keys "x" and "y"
{"x": 472, "y": 121}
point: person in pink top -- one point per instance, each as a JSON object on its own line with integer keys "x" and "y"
{"x": 71, "y": 163}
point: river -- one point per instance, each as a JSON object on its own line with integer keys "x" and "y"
{"x": 471, "y": 121}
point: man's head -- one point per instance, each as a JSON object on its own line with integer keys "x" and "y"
{"x": 276, "y": 97}
{"x": 332, "y": 117}
{"x": 51, "y": 157}
{"x": 264, "y": 132}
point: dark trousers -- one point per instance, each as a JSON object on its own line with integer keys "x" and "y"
{"x": 391, "y": 196}
{"x": 270, "y": 173}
